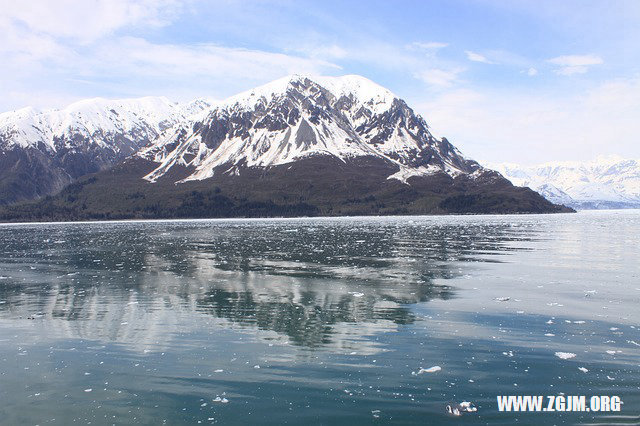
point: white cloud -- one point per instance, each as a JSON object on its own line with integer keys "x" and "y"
{"x": 321, "y": 51}
{"x": 532, "y": 71}
{"x": 576, "y": 60}
{"x": 577, "y": 69}
{"x": 439, "y": 78}
{"x": 89, "y": 20}
{"x": 129, "y": 66}
{"x": 138, "y": 55}
{"x": 531, "y": 128}
{"x": 575, "y": 64}
{"x": 74, "y": 49}
{"x": 430, "y": 45}
{"x": 476, "y": 57}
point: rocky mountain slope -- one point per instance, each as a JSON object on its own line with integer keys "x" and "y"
{"x": 43, "y": 151}
{"x": 607, "y": 182}
{"x": 298, "y": 117}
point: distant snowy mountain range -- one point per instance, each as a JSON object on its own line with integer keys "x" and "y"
{"x": 605, "y": 183}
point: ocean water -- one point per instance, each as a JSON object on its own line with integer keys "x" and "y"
{"x": 318, "y": 321}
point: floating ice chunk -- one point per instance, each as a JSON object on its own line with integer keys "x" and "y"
{"x": 611, "y": 352}
{"x": 565, "y": 355}
{"x": 375, "y": 413}
{"x": 220, "y": 400}
{"x": 584, "y": 370}
{"x": 88, "y": 390}
{"x": 459, "y": 409}
{"x": 358, "y": 294}
{"x": 549, "y": 334}
{"x": 502, "y": 299}
{"x": 468, "y": 406}
{"x": 509, "y": 354}
{"x": 433, "y": 369}
{"x": 256, "y": 366}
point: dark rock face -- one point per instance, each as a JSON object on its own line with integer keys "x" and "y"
{"x": 34, "y": 172}
{"x": 27, "y": 174}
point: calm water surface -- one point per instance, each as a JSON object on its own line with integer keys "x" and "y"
{"x": 318, "y": 321}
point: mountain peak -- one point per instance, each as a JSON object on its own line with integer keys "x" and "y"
{"x": 361, "y": 89}
{"x": 302, "y": 116}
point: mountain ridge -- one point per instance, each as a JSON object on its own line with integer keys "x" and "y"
{"x": 300, "y": 145}
{"x": 344, "y": 120}
{"x": 605, "y": 182}
{"x": 41, "y": 151}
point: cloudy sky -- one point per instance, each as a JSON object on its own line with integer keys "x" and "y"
{"x": 516, "y": 81}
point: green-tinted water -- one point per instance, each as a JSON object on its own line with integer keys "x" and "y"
{"x": 318, "y": 321}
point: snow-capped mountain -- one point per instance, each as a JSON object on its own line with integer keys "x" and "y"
{"x": 299, "y": 117}
{"x": 607, "y": 182}
{"x": 41, "y": 151}
{"x": 300, "y": 145}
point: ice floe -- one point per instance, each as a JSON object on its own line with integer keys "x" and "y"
{"x": 433, "y": 369}
{"x": 459, "y": 409}
{"x": 565, "y": 355}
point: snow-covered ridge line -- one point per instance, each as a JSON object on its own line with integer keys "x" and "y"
{"x": 606, "y": 182}
{"x": 92, "y": 118}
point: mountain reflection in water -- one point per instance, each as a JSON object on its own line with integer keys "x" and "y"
{"x": 314, "y": 283}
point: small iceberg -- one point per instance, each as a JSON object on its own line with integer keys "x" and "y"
{"x": 433, "y": 369}
{"x": 565, "y": 355}
{"x": 459, "y": 409}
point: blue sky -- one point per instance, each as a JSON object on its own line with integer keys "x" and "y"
{"x": 515, "y": 81}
